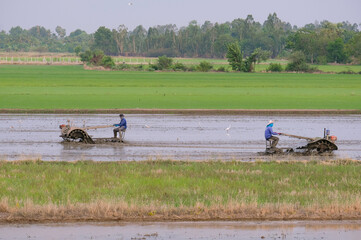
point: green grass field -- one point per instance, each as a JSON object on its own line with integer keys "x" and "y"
{"x": 72, "y": 87}
{"x": 173, "y": 188}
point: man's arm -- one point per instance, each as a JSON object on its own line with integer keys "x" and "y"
{"x": 273, "y": 133}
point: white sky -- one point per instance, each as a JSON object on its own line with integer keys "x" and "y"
{"x": 88, "y": 15}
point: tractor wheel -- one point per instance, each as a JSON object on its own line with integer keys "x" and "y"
{"x": 322, "y": 146}
{"x": 80, "y": 134}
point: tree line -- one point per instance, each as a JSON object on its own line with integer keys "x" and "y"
{"x": 320, "y": 42}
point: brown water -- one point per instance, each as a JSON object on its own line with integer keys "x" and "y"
{"x": 350, "y": 230}
{"x": 185, "y": 137}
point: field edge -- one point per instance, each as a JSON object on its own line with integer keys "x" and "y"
{"x": 187, "y": 111}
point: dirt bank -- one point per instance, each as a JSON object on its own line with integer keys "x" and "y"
{"x": 102, "y": 212}
{"x": 191, "y": 111}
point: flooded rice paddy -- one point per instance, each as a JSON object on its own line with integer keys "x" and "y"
{"x": 182, "y": 137}
{"x": 333, "y": 230}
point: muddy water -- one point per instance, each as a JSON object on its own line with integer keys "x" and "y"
{"x": 185, "y": 137}
{"x": 350, "y": 230}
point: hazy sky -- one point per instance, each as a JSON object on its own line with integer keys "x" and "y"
{"x": 88, "y": 15}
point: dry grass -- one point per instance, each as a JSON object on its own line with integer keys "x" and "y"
{"x": 122, "y": 211}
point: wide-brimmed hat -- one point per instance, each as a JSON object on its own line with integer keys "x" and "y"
{"x": 270, "y": 122}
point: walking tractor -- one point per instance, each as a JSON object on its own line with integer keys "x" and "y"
{"x": 70, "y": 133}
{"x": 315, "y": 145}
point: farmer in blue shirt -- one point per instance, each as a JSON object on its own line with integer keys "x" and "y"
{"x": 268, "y": 134}
{"x": 121, "y": 127}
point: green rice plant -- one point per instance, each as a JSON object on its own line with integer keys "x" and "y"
{"x": 72, "y": 87}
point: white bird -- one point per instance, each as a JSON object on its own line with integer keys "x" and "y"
{"x": 130, "y": 4}
{"x": 227, "y": 129}
{"x": 147, "y": 126}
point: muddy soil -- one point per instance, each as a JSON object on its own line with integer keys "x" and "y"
{"x": 186, "y": 230}
{"x": 183, "y": 137}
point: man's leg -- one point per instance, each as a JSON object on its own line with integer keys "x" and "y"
{"x": 115, "y": 131}
{"x": 274, "y": 141}
{"x": 121, "y": 132}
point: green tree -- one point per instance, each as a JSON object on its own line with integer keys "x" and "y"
{"x": 354, "y": 47}
{"x": 306, "y": 41}
{"x": 298, "y": 63}
{"x": 204, "y": 66}
{"x": 235, "y": 56}
{"x": 77, "y": 50}
{"x": 78, "y": 38}
{"x": 86, "y": 56}
{"x": 274, "y": 67}
{"x": 120, "y": 36}
{"x": 164, "y": 62}
{"x": 261, "y": 55}
{"x": 97, "y": 58}
{"x": 336, "y": 51}
{"x": 220, "y": 45}
{"x": 249, "y": 64}
{"x": 103, "y": 40}
{"x": 275, "y": 31}
{"x": 60, "y": 31}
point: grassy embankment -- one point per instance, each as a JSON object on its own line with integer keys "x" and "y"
{"x": 173, "y": 190}
{"x": 72, "y": 87}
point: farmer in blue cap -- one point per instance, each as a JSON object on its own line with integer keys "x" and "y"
{"x": 121, "y": 127}
{"x": 269, "y": 134}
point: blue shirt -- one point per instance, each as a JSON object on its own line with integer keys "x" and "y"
{"x": 269, "y": 132}
{"x": 123, "y": 123}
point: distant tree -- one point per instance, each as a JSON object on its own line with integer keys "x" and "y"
{"x": 86, "y": 56}
{"x": 249, "y": 63}
{"x": 298, "y": 63}
{"x": 262, "y": 55}
{"x": 107, "y": 62}
{"x": 103, "y": 40}
{"x": 276, "y": 33}
{"x": 40, "y": 32}
{"x": 274, "y": 67}
{"x": 78, "y": 38}
{"x": 220, "y": 45}
{"x": 60, "y": 31}
{"x": 77, "y": 50}
{"x": 164, "y": 63}
{"x": 76, "y": 33}
{"x": 204, "y": 66}
{"x": 306, "y": 41}
{"x": 3, "y": 40}
{"x": 354, "y": 47}
{"x": 179, "y": 67}
{"x": 138, "y": 39}
{"x": 97, "y": 58}
{"x": 336, "y": 51}
{"x": 318, "y": 41}
{"x": 120, "y": 36}
{"x": 235, "y": 56}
